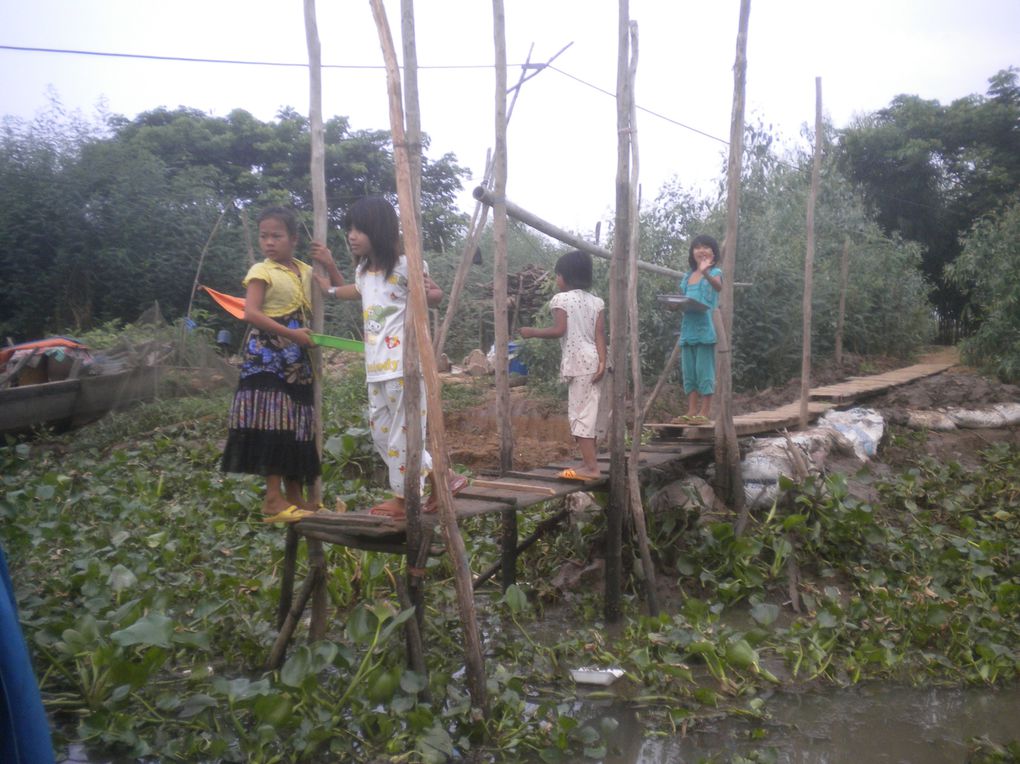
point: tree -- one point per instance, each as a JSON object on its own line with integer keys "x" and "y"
{"x": 988, "y": 274}
{"x": 930, "y": 171}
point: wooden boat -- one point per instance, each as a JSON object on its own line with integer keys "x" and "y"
{"x": 64, "y": 393}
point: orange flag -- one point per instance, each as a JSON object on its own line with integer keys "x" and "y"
{"x": 233, "y": 305}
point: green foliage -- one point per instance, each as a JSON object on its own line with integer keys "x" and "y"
{"x": 148, "y": 591}
{"x": 99, "y": 221}
{"x": 886, "y": 305}
{"x": 988, "y": 273}
{"x": 931, "y": 171}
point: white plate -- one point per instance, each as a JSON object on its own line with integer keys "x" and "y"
{"x": 684, "y": 302}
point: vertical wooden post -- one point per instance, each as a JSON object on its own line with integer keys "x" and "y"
{"x": 509, "y": 531}
{"x": 316, "y": 555}
{"x": 499, "y": 230}
{"x": 637, "y": 510}
{"x": 418, "y": 313}
{"x": 844, "y": 280}
{"x": 412, "y": 344}
{"x": 618, "y": 328}
{"x": 729, "y": 483}
{"x": 809, "y": 260}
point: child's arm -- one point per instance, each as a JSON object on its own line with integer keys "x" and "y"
{"x": 253, "y": 314}
{"x": 600, "y": 345}
{"x": 433, "y": 292}
{"x": 335, "y": 286}
{"x": 715, "y": 281}
{"x": 558, "y": 328}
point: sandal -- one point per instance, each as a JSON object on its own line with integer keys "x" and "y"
{"x": 572, "y": 474}
{"x": 456, "y": 482}
{"x": 291, "y": 514}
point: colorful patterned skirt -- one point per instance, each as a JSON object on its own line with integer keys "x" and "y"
{"x": 272, "y": 418}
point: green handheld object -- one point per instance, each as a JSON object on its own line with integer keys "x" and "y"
{"x": 329, "y": 341}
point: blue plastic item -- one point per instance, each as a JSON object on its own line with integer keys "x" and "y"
{"x": 24, "y": 729}
{"x": 516, "y": 366}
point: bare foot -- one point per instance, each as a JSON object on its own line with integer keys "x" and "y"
{"x": 392, "y": 508}
{"x": 275, "y": 505}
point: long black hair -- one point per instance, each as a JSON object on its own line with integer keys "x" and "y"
{"x": 703, "y": 241}
{"x": 376, "y": 218}
{"x": 575, "y": 268}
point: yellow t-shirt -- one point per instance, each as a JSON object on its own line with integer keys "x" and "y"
{"x": 285, "y": 291}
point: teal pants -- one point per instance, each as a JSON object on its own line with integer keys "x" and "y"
{"x": 697, "y": 362}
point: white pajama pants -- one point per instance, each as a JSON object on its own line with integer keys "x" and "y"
{"x": 584, "y": 399}
{"x": 389, "y": 430}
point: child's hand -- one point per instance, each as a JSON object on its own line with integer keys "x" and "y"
{"x": 525, "y": 332}
{"x": 599, "y": 373}
{"x": 302, "y": 337}
{"x": 320, "y": 253}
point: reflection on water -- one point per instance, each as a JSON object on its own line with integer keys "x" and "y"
{"x": 860, "y": 725}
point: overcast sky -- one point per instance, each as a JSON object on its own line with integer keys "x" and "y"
{"x": 562, "y": 135}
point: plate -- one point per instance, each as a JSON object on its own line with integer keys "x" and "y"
{"x": 683, "y": 302}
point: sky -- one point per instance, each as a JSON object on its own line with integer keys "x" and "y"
{"x": 562, "y": 134}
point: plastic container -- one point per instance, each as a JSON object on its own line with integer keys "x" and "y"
{"x": 516, "y": 366}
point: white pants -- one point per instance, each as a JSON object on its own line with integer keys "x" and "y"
{"x": 389, "y": 430}
{"x": 584, "y": 406}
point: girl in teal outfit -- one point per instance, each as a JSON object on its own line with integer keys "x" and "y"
{"x": 697, "y": 333}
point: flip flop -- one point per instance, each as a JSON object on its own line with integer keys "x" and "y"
{"x": 699, "y": 420}
{"x": 457, "y": 483}
{"x": 571, "y": 474}
{"x": 291, "y": 514}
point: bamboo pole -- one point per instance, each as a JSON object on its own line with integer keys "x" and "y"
{"x": 637, "y": 510}
{"x": 499, "y": 235}
{"x": 246, "y": 229}
{"x": 729, "y": 482}
{"x": 534, "y": 221}
{"x": 316, "y": 555}
{"x": 201, "y": 260}
{"x": 844, "y": 280}
{"x": 467, "y": 255}
{"x": 480, "y": 214}
{"x": 412, "y": 366}
{"x": 418, "y": 313}
{"x": 809, "y": 261}
{"x": 508, "y": 529}
{"x": 670, "y": 365}
{"x": 618, "y": 328}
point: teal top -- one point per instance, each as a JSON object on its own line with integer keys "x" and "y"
{"x": 697, "y": 328}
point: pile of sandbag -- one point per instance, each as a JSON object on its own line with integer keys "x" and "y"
{"x": 998, "y": 415}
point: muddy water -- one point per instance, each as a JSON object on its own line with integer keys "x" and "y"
{"x": 860, "y": 725}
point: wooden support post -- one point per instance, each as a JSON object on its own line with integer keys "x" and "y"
{"x": 418, "y": 313}
{"x": 317, "y": 566}
{"x": 290, "y": 546}
{"x": 617, "y": 366}
{"x": 290, "y": 621}
{"x": 729, "y": 482}
{"x": 540, "y": 530}
{"x": 499, "y": 236}
{"x": 844, "y": 280}
{"x": 508, "y": 546}
{"x": 412, "y": 344}
{"x": 809, "y": 261}
{"x": 316, "y": 554}
{"x": 637, "y": 510}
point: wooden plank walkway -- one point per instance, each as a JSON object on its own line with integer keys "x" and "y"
{"x": 513, "y": 492}
{"x": 821, "y": 399}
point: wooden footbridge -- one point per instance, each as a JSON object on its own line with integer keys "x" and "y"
{"x": 523, "y": 491}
